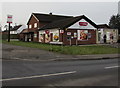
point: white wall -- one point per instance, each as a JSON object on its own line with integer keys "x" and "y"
{"x": 77, "y": 26}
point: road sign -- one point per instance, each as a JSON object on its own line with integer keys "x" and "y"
{"x": 9, "y": 18}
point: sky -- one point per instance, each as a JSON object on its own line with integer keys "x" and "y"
{"x": 98, "y": 12}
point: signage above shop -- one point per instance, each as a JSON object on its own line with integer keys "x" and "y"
{"x": 83, "y": 23}
{"x": 68, "y": 33}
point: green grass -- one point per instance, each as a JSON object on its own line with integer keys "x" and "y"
{"x": 73, "y": 50}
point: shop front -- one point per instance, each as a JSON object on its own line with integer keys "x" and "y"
{"x": 107, "y": 35}
{"x": 49, "y": 36}
{"x": 79, "y": 36}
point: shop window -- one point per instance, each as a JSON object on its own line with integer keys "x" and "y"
{"x": 55, "y": 37}
{"x": 82, "y": 35}
{"x": 41, "y": 37}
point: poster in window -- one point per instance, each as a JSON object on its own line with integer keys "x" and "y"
{"x": 41, "y": 38}
{"x": 82, "y": 34}
{"x": 55, "y": 37}
{"x": 47, "y": 38}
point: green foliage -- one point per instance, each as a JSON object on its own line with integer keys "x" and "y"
{"x": 115, "y": 22}
{"x": 73, "y": 50}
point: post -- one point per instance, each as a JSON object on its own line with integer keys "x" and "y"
{"x": 70, "y": 42}
{"x": 9, "y": 20}
{"x": 76, "y": 42}
{"x": 9, "y": 33}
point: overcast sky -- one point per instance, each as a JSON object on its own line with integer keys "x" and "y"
{"x": 99, "y": 12}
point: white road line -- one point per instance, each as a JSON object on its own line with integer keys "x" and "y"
{"x": 38, "y": 76}
{"x": 111, "y": 67}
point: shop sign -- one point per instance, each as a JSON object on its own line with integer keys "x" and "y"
{"x": 75, "y": 35}
{"x": 61, "y": 31}
{"x": 89, "y": 35}
{"x": 47, "y": 31}
{"x": 83, "y": 23}
{"x": 68, "y": 33}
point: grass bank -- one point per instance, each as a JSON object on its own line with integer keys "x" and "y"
{"x": 73, "y": 50}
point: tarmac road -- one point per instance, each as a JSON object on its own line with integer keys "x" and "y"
{"x": 60, "y": 73}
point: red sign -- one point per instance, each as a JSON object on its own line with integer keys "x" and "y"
{"x": 47, "y": 31}
{"x": 9, "y": 19}
{"x": 68, "y": 33}
{"x": 83, "y": 23}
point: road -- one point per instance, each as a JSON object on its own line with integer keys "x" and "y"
{"x": 60, "y": 73}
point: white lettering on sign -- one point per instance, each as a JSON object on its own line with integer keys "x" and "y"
{"x": 9, "y": 18}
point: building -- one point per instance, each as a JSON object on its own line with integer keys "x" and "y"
{"x": 58, "y": 29}
{"x": 14, "y": 32}
{"x": 66, "y": 30}
{"x": 69, "y": 31}
{"x": 36, "y": 22}
{"x": 104, "y": 29}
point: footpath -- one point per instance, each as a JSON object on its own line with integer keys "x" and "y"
{"x": 12, "y": 52}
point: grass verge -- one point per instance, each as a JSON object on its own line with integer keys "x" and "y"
{"x": 73, "y": 50}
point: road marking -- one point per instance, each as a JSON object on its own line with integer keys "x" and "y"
{"x": 38, "y": 76}
{"x": 111, "y": 67}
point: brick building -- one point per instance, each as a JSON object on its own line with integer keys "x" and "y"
{"x": 58, "y": 29}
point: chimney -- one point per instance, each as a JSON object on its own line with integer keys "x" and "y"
{"x": 50, "y": 13}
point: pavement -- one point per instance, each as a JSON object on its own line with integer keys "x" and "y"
{"x": 10, "y": 52}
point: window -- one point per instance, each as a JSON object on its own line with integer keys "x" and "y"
{"x": 82, "y": 34}
{"x": 30, "y": 26}
{"x": 35, "y": 25}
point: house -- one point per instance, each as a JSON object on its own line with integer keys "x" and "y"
{"x": 104, "y": 29}
{"x": 37, "y": 21}
{"x": 14, "y": 30}
{"x": 22, "y": 35}
{"x": 58, "y": 29}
